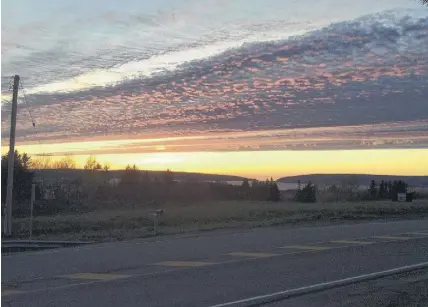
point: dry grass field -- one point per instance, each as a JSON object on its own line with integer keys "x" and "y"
{"x": 106, "y": 225}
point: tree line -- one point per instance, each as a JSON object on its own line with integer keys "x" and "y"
{"x": 260, "y": 190}
{"x": 386, "y": 189}
{"x": 96, "y": 187}
{"x": 137, "y": 186}
{"x": 351, "y": 191}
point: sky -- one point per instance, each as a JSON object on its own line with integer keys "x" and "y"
{"x": 253, "y": 88}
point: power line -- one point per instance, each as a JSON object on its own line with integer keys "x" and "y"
{"x": 10, "y": 78}
{"x": 10, "y": 83}
{"x": 29, "y": 111}
{"x": 22, "y": 86}
{"x": 28, "y": 105}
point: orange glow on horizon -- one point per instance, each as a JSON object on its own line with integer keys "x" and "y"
{"x": 263, "y": 164}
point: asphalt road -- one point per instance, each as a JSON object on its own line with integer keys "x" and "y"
{"x": 211, "y": 268}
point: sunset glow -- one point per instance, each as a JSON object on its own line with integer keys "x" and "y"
{"x": 263, "y": 164}
{"x": 272, "y": 90}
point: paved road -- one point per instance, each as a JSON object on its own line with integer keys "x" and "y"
{"x": 211, "y": 268}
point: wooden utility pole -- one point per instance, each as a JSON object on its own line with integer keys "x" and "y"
{"x": 11, "y": 160}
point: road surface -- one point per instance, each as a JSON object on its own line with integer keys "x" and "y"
{"x": 212, "y": 268}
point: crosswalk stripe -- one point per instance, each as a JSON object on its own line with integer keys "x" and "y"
{"x": 255, "y": 255}
{"x": 96, "y": 276}
{"x": 419, "y": 233}
{"x": 391, "y": 237}
{"x": 352, "y": 242}
{"x": 183, "y": 263}
{"x": 10, "y": 292}
{"x": 308, "y": 247}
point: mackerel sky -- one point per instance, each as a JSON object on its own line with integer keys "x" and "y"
{"x": 218, "y": 75}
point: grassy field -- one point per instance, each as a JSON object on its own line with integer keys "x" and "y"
{"x": 108, "y": 225}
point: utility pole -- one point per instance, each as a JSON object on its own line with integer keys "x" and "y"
{"x": 11, "y": 160}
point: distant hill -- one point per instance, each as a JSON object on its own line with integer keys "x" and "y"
{"x": 363, "y": 179}
{"x": 76, "y": 173}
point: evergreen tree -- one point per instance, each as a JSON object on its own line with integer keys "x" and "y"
{"x": 373, "y": 190}
{"x": 401, "y": 187}
{"x": 274, "y": 193}
{"x": 394, "y": 190}
{"x": 307, "y": 194}
{"x": 245, "y": 187}
{"x": 398, "y": 187}
{"x": 390, "y": 191}
{"x": 245, "y": 184}
{"x": 386, "y": 195}
{"x": 381, "y": 190}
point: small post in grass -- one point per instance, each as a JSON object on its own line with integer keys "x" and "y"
{"x": 33, "y": 198}
{"x": 156, "y": 217}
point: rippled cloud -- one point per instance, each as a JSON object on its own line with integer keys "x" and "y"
{"x": 368, "y": 71}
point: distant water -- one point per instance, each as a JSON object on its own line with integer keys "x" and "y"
{"x": 283, "y": 186}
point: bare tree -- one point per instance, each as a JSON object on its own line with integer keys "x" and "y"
{"x": 66, "y": 162}
{"x": 92, "y": 164}
{"x": 43, "y": 161}
{"x": 106, "y": 167}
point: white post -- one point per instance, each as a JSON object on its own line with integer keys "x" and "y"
{"x": 33, "y": 198}
{"x": 155, "y": 224}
